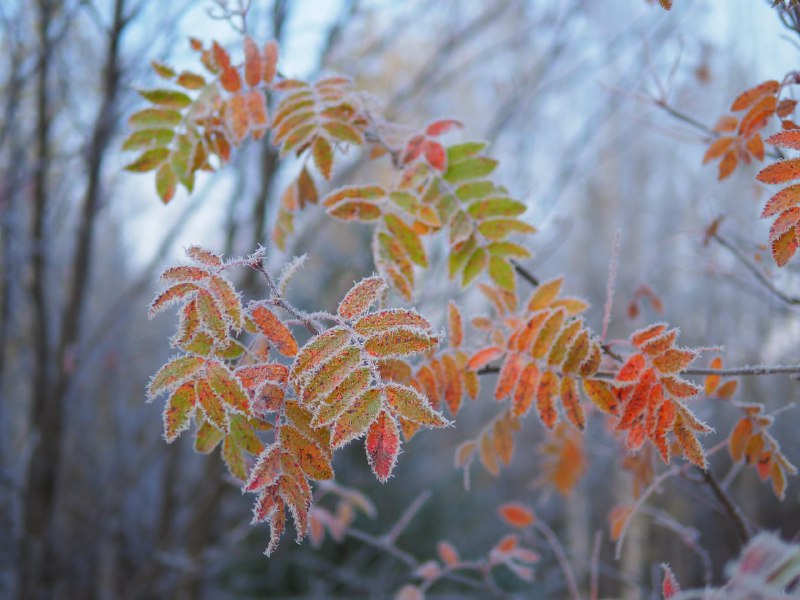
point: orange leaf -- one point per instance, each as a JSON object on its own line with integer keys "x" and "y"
{"x": 483, "y": 357}
{"x": 270, "y": 61}
{"x": 546, "y": 395}
{"x": 526, "y": 389}
{"x": 755, "y": 145}
{"x": 231, "y": 80}
{"x": 727, "y": 165}
{"x": 727, "y": 389}
{"x": 717, "y": 148}
{"x": 786, "y": 139}
{"x": 784, "y": 247}
{"x": 447, "y": 553}
{"x": 455, "y": 325}
{"x": 674, "y": 360}
{"x": 750, "y": 96}
{"x": 509, "y": 373}
{"x": 453, "y": 388}
{"x": 269, "y": 325}
{"x": 257, "y": 111}
{"x": 632, "y": 368}
{"x": 783, "y": 200}
{"x": 641, "y": 337}
{"x": 572, "y": 403}
{"x": 780, "y": 172}
{"x": 517, "y": 515}
{"x": 739, "y": 437}
{"x": 252, "y": 62}
{"x": 236, "y": 117}
{"x": 712, "y": 381}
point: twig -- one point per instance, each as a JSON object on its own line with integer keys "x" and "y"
{"x": 759, "y": 275}
{"x": 612, "y": 281}
{"x": 387, "y": 543}
{"x": 408, "y": 515}
{"x": 257, "y": 263}
{"x": 755, "y": 370}
{"x": 638, "y": 504}
{"x": 561, "y": 557}
{"x": 730, "y": 508}
{"x": 525, "y": 274}
{"x": 594, "y": 567}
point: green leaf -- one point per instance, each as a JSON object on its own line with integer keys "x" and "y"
{"x": 471, "y": 168}
{"x": 357, "y": 417}
{"x": 155, "y": 118}
{"x": 408, "y": 238}
{"x": 234, "y": 459}
{"x": 498, "y": 229}
{"x": 146, "y": 138}
{"x": 323, "y": 156}
{"x": 459, "y": 256}
{"x": 475, "y": 189}
{"x": 207, "y": 438}
{"x": 148, "y": 160}
{"x": 166, "y": 98}
{"x": 502, "y": 273}
{"x": 496, "y": 207}
{"x": 166, "y": 183}
{"x": 227, "y": 387}
{"x": 459, "y": 152}
{"x": 174, "y": 373}
{"x": 505, "y": 249}
{"x": 476, "y": 263}
{"x": 343, "y": 132}
{"x": 178, "y": 411}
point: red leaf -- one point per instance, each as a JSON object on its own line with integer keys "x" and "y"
{"x": 414, "y": 148}
{"x": 669, "y": 586}
{"x": 442, "y": 126}
{"x": 383, "y": 445}
{"x": 436, "y": 155}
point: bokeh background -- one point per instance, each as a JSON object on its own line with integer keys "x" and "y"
{"x": 562, "y": 90}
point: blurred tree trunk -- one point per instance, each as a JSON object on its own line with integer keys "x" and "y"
{"x": 53, "y": 372}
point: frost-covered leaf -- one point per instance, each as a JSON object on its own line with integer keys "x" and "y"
{"x": 383, "y": 445}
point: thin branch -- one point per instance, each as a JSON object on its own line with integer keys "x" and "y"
{"x": 257, "y": 263}
{"x": 756, "y": 370}
{"x": 730, "y": 508}
{"x": 387, "y": 543}
{"x": 639, "y": 503}
{"x": 594, "y": 568}
{"x": 759, "y": 275}
{"x": 561, "y": 557}
{"x": 408, "y": 515}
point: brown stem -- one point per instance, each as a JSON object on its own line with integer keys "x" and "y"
{"x": 278, "y": 300}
